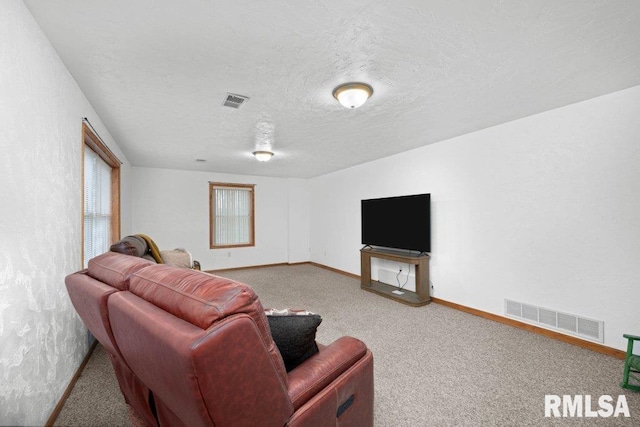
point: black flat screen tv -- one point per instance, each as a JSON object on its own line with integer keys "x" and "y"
{"x": 402, "y": 222}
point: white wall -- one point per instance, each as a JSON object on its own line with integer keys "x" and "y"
{"x": 42, "y": 341}
{"x": 299, "y": 204}
{"x": 543, "y": 210}
{"x": 172, "y": 207}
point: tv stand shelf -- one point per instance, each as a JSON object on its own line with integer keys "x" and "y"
{"x": 416, "y": 299}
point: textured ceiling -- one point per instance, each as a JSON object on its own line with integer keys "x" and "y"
{"x": 158, "y": 71}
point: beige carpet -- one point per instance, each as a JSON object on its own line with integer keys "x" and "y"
{"x": 96, "y": 399}
{"x": 434, "y": 366}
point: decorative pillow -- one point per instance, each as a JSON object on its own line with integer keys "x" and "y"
{"x": 153, "y": 248}
{"x": 148, "y": 257}
{"x": 130, "y": 245}
{"x": 294, "y": 332}
{"x": 178, "y": 257}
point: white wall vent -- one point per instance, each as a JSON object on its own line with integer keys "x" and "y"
{"x": 235, "y": 101}
{"x": 562, "y": 322}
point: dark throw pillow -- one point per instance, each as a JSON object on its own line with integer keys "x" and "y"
{"x": 294, "y": 332}
{"x": 123, "y": 247}
{"x": 130, "y": 245}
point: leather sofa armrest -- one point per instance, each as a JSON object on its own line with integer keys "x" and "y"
{"x": 315, "y": 373}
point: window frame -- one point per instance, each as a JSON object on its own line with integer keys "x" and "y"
{"x": 91, "y": 141}
{"x": 252, "y": 222}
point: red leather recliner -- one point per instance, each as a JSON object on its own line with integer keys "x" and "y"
{"x": 201, "y": 344}
{"x": 89, "y": 295}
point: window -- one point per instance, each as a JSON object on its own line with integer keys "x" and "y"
{"x": 231, "y": 216}
{"x": 101, "y": 196}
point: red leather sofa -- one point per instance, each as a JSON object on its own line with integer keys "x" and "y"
{"x": 193, "y": 349}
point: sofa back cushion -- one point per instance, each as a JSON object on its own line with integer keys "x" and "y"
{"x": 203, "y": 300}
{"x": 199, "y": 298}
{"x": 115, "y": 269}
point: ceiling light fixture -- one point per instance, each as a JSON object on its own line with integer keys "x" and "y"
{"x": 263, "y": 156}
{"x": 352, "y": 95}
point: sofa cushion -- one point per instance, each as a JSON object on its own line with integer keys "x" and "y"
{"x": 115, "y": 269}
{"x": 294, "y": 332}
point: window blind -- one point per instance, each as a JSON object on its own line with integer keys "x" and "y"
{"x": 232, "y": 216}
{"x": 97, "y": 205}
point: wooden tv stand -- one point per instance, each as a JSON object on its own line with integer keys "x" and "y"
{"x": 416, "y": 299}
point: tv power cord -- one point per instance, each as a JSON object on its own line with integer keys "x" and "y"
{"x": 400, "y": 291}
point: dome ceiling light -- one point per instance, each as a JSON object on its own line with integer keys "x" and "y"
{"x": 263, "y": 155}
{"x": 352, "y": 95}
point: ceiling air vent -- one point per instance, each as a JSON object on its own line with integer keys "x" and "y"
{"x": 235, "y": 101}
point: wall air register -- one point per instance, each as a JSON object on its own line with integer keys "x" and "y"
{"x": 561, "y": 322}
{"x": 235, "y": 101}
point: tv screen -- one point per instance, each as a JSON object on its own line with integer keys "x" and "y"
{"x": 402, "y": 222}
